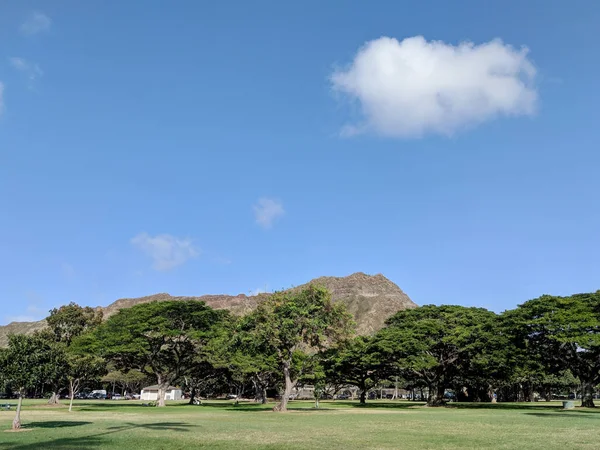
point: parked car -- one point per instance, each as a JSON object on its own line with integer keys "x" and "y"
{"x": 232, "y": 396}
{"x": 117, "y": 397}
{"x": 97, "y": 396}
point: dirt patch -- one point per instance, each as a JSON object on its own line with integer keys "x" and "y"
{"x": 20, "y": 430}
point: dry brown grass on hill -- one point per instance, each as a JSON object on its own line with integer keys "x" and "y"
{"x": 371, "y": 299}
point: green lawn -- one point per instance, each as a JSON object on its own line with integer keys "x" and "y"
{"x": 344, "y": 425}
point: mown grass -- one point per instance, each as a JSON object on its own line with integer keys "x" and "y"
{"x": 344, "y": 425}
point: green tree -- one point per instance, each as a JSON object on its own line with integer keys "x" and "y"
{"x": 158, "y": 338}
{"x": 80, "y": 369}
{"x": 130, "y": 381}
{"x": 357, "y": 363}
{"x": 55, "y": 372}
{"x": 27, "y": 361}
{"x": 292, "y": 322}
{"x": 562, "y": 333}
{"x": 72, "y": 320}
{"x": 432, "y": 343}
{"x": 238, "y": 352}
{"x": 487, "y": 363}
{"x": 66, "y": 324}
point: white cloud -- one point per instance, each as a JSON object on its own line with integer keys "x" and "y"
{"x": 31, "y": 70}
{"x": 165, "y": 250}
{"x": 414, "y": 87}
{"x": 37, "y": 22}
{"x": 267, "y": 211}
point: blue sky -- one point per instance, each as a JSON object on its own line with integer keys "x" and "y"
{"x": 197, "y": 148}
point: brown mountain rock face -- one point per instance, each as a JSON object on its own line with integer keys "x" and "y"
{"x": 371, "y": 299}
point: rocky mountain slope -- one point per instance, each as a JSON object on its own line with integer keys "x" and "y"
{"x": 370, "y": 298}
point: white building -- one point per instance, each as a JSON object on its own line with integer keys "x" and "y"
{"x": 150, "y": 393}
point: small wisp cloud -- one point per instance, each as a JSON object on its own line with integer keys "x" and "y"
{"x": 267, "y": 211}
{"x": 165, "y": 250}
{"x": 31, "y": 70}
{"x": 36, "y": 23}
{"x": 414, "y": 87}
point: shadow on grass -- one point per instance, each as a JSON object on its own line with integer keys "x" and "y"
{"x": 390, "y": 405}
{"x": 256, "y": 408}
{"x": 561, "y": 414}
{"x": 56, "y": 424}
{"x": 92, "y": 440}
{"x": 161, "y": 426}
{"x": 518, "y": 406}
{"x": 83, "y": 442}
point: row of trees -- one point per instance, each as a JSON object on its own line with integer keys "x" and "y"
{"x": 546, "y": 345}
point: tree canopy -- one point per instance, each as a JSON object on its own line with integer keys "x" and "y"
{"x": 433, "y": 342}
{"x": 72, "y": 320}
{"x": 290, "y": 322}
{"x": 560, "y": 334}
{"x": 158, "y": 338}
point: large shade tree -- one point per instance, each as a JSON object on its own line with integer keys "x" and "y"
{"x": 562, "y": 333}
{"x": 160, "y": 339}
{"x": 357, "y": 363}
{"x": 434, "y": 343}
{"x": 290, "y": 323}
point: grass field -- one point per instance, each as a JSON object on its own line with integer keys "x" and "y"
{"x": 344, "y": 425}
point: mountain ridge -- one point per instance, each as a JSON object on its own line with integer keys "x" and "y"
{"x": 371, "y": 299}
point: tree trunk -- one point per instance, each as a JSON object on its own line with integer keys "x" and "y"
{"x": 162, "y": 388}
{"x": 436, "y": 395}
{"x": 71, "y": 395}
{"x": 289, "y": 385}
{"x": 587, "y": 395}
{"x": 73, "y": 387}
{"x": 363, "y": 396}
{"x": 192, "y": 396}
{"x": 264, "y": 396}
{"x": 54, "y": 399}
{"x": 16, "y": 425}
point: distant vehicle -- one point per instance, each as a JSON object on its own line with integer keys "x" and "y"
{"x": 96, "y": 396}
{"x": 136, "y": 396}
{"x": 232, "y": 396}
{"x": 117, "y": 397}
{"x": 343, "y": 397}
